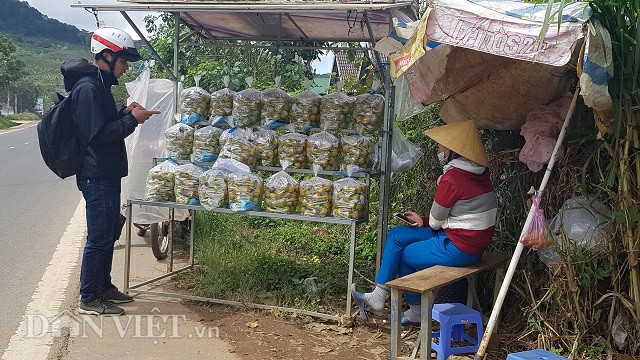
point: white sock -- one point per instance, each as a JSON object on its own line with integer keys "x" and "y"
{"x": 376, "y": 298}
{"x": 413, "y": 314}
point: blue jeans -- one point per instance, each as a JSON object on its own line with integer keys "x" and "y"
{"x": 104, "y": 225}
{"x": 409, "y": 249}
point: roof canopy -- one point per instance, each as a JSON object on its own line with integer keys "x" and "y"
{"x": 291, "y": 21}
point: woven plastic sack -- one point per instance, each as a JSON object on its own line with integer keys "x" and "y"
{"x": 187, "y": 183}
{"x": 323, "y": 149}
{"x": 305, "y": 109}
{"x": 194, "y": 104}
{"x": 404, "y": 153}
{"x": 266, "y": 141}
{"x": 368, "y": 113}
{"x": 221, "y": 105}
{"x": 357, "y": 150}
{"x": 239, "y": 146}
{"x": 276, "y": 107}
{"x": 336, "y": 111}
{"x": 161, "y": 182}
{"x": 316, "y": 195}
{"x": 246, "y": 106}
{"x": 179, "y": 141}
{"x": 206, "y": 144}
{"x": 281, "y": 192}
{"x": 245, "y": 191}
{"x": 535, "y": 236}
{"x": 349, "y": 197}
{"x": 292, "y": 147}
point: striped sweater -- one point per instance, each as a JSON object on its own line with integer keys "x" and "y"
{"x": 465, "y": 206}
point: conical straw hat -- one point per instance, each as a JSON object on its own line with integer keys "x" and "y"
{"x": 462, "y": 137}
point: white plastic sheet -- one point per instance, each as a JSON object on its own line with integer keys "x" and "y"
{"x": 148, "y": 142}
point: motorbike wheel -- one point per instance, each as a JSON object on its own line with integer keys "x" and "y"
{"x": 160, "y": 239}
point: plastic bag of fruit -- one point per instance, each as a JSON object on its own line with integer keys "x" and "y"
{"x": 221, "y": 105}
{"x": 206, "y": 144}
{"x": 357, "y": 150}
{"x": 267, "y": 143}
{"x": 292, "y": 147}
{"x": 316, "y": 195}
{"x": 281, "y": 192}
{"x": 161, "y": 182}
{"x": 305, "y": 109}
{"x": 276, "y": 106}
{"x": 187, "y": 182}
{"x": 368, "y": 111}
{"x": 194, "y": 104}
{"x": 238, "y": 146}
{"x": 323, "y": 149}
{"x": 179, "y": 141}
{"x": 336, "y": 111}
{"x": 350, "y": 197}
{"x": 245, "y": 191}
{"x": 246, "y": 106}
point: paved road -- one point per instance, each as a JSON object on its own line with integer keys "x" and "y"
{"x": 35, "y": 208}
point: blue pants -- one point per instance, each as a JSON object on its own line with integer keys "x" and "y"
{"x": 104, "y": 225}
{"x": 409, "y": 249}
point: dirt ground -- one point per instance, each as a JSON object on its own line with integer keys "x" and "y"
{"x": 257, "y": 334}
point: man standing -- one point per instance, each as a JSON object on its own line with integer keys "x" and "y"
{"x": 103, "y": 127}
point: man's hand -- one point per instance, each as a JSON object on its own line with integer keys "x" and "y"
{"x": 142, "y": 115}
{"x": 415, "y": 217}
{"x": 130, "y": 108}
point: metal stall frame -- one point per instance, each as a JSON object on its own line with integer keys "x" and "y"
{"x": 317, "y": 8}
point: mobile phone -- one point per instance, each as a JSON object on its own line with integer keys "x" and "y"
{"x": 405, "y": 219}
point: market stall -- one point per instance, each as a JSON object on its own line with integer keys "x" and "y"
{"x": 338, "y": 26}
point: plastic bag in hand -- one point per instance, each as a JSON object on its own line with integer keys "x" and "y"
{"x": 368, "y": 113}
{"x": 281, "y": 192}
{"x": 245, "y": 191}
{"x": 350, "y": 197}
{"x": 357, "y": 150}
{"x": 179, "y": 141}
{"x": 535, "y": 236}
{"x": 323, "y": 149}
{"x": 194, "y": 105}
{"x": 292, "y": 147}
{"x": 212, "y": 190}
{"x": 305, "y": 111}
{"x": 316, "y": 195}
{"x": 267, "y": 143}
{"x": 206, "y": 144}
{"x": 161, "y": 182}
{"x": 187, "y": 183}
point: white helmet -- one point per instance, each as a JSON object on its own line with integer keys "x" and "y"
{"x": 115, "y": 40}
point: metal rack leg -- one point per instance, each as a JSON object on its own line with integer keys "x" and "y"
{"x": 352, "y": 254}
{"x": 170, "y": 239}
{"x": 127, "y": 249}
{"x": 192, "y": 236}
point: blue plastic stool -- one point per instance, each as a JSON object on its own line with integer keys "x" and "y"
{"x": 537, "y": 354}
{"x": 452, "y": 318}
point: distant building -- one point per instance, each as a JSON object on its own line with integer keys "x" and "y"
{"x": 320, "y": 83}
{"x": 39, "y": 106}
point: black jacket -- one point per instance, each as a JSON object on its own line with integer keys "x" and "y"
{"x": 98, "y": 120}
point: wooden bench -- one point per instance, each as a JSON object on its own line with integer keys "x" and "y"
{"x": 427, "y": 282}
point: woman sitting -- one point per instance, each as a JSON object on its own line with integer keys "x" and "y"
{"x": 459, "y": 226}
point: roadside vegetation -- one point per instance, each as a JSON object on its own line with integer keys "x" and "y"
{"x": 6, "y": 123}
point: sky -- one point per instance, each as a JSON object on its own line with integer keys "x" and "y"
{"x": 79, "y": 17}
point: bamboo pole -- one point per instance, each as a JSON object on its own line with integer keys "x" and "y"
{"x": 495, "y": 313}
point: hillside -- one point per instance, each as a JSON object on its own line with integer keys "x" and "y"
{"x": 19, "y": 18}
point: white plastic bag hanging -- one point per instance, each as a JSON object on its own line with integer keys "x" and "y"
{"x": 404, "y": 153}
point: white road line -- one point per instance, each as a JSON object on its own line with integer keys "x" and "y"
{"x": 49, "y": 296}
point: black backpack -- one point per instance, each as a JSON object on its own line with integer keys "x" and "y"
{"x": 61, "y": 146}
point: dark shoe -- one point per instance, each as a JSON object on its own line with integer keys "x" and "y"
{"x": 117, "y": 297}
{"x": 100, "y": 307}
{"x": 359, "y": 298}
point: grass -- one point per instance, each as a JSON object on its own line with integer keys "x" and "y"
{"x": 22, "y": 117}
{"x": 6, "y": 123}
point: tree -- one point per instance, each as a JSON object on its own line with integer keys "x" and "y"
{"x": 10, "y": 66}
